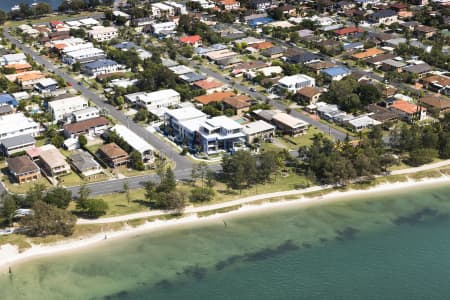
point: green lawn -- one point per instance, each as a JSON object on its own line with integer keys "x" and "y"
{"x": 402, "y": 165}
{"x": 118, "y": 204}
{"x": 73, "y": 179}
{"x": 24, "y": 187}
{"x": 128, "y": 172}
{"x": 301, "y": 140}
{"x": 280, "y": 182}
{"x": 270, "y": 147}
{"x": 41, "y": 142}
{"x": 337, "y": 127}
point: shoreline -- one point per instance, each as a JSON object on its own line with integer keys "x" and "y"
{"x": 10, "y": 255}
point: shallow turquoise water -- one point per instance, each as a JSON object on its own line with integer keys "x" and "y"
{"x": 392, "y": 246}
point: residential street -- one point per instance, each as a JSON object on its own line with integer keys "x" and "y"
{"x": 116, "y": 185}
{"x": 338, "y": 135}
{"x": 182, "y": 163}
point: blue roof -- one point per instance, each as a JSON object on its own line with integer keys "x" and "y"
{"x": 336, "y": 71}
{"x": 192, "y": 77}
{"x": 349, "y": 46}
{"x": 125, "y": 45}
{"x": 384, "y": 13}
{"x": 260, "y": 21}
{"x": 8, "y": 99}
{"x": 100, "y": 63}
{"x": 215, "y": 47}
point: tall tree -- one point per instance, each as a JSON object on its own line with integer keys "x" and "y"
{"x": 239, "y": 169}
{"x": 83, "y": 193}
{"x": 9, "y": 207}
{"x": 59, "y": 197}
{"x": 48, "y": 220}
{"x": 168, "y": 183}
{"x": 34, "y": 194}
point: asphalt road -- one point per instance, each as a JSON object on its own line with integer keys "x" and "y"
{"x": 183, "y": 164}
{"x": 116, "y": 185}
{"x": 336, "y": 134}
{"x": 164, "y": 148}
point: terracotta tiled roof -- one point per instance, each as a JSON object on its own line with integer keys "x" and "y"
{"x": 368, "y": 53}
{"x": 262, "y": 45}
{"x": 348, "y": 30}
{"x": 208, "y": 84}
{"x": 407, "y": 107}
{"x": 27, "y": 77}
{"x": 18, "y": 66}
{"x": 237, "y": 102}
{"x": 309, "y": 91}
{"x": 112, "y": 150}
{"x": 190, "y": 39}
{"x": 215, "y": 97}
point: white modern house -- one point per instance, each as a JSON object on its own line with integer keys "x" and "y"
{"x": 46, "y": 85}
{"x": 161, "y": 10}
{"x": 83, "y": 56}
{"x": 13, "y": 125}
{"x": 85, "y": 114}
{"x": 174, "y": 118}
{"x": 77, "y": 47}
{"x": 159, "y": 28}
{"x": 155, "y": 101}
{"x": 62, "y": 109}
{"x": 102, "y": 66}
{"x": 180, "y": 8}
{"x": 195, "y": 130}
{"x": 220, "y": 134}
{"x": 205, "y": 4}
{"x": 295, "y": 82}
{"x": 101, "y": 33}
{"x": 9, "y": 59}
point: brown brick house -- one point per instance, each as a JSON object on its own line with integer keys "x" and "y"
{"x": 23, "y": 169}
{"x": 113, "y": 155}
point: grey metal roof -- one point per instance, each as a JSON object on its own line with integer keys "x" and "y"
{"x": 83, "y": 161}
{"x": 15, "y": 141}
{"x": 5, "y": 109}
{"x": 420, "y": 68}
{"x": 192, "y": 77}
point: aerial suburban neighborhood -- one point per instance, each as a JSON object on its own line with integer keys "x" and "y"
{"x": 180, "y": 103}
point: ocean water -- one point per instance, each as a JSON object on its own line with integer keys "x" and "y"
{"x": 7, "y": 4}
{"x": 389, "y": 246}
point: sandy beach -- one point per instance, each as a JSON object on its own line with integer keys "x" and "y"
{"x": 10, "y": 256}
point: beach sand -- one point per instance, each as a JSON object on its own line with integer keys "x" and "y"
{"x": 10, "y": 255}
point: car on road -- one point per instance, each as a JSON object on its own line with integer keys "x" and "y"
{"x": 252, "y": 89}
